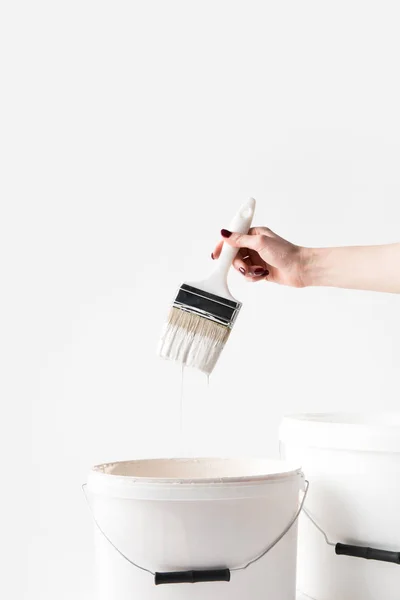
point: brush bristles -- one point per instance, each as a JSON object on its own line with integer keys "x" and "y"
{"x": 193, "y": 340}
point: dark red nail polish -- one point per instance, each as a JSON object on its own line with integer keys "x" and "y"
{"x": 266, "y": 273}
{"x": 243, "y": 272}
{"x": 259, "y": 271}
{"x": 212, "y": 255}
{"x": 226, "y": 233}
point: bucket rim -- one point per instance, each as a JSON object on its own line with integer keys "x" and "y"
{"x": 279, "y": 469}
{"x": 381, "y": 419}
{"x": 371, "y": 431}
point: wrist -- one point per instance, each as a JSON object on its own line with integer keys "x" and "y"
{"x": 313, "y": 271}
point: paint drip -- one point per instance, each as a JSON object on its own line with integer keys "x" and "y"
{"x": 182, "y": 418}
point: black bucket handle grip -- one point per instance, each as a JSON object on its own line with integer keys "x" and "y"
{"x": 207, "y": 575}
{"x": 368, "y": 553}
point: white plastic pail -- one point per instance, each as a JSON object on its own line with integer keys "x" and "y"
{"x": 353, "y": 464}
{"x": 181, "y": 515}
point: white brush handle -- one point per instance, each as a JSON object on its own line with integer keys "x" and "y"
{"x": 217, "y": 283}
{"x": 240, "y": 224}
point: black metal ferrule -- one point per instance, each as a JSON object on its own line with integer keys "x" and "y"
{"x": 223, "y": 309}
{"x": 368, "y": 553}
{"x": 193, "y": 576}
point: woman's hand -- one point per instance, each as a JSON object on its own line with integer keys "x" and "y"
{"x": 263, "y": 255}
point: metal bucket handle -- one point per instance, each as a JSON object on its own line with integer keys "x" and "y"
{"x": 203, "y": 575}
{"x": 357, "y": 551}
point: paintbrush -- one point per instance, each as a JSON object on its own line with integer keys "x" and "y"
{"x": 203, "y": 313}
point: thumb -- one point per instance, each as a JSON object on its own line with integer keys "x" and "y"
{"x": 242, "y": 240}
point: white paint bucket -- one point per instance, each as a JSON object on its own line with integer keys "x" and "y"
{"x": 353, "y": 464}
{"x": 183, "y": 515}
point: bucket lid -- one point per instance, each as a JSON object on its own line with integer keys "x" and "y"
{"x": 188, "y": 478}
{"x": 373, "y": 432}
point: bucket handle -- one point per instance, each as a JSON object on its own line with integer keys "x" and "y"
{"x": 351, "y": 550}
{"x": 355, "y": 550}
{"x": 202, "y": 575}
{"x": 207, "y": 575}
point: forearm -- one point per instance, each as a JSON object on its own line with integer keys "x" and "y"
{"x": 375, "y": 268}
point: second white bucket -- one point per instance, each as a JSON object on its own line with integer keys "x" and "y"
{"x": 353, "y": 464}
{"x": 229, "y": 526}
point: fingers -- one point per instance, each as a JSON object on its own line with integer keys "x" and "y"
{"x": 247, "y": 262}
{"x": 217, "y": 250}
{"x": 241, "y": 240}
{"x": 256, "y": 238}
{"x": 258, "y": 235}
{"x": 248, "y": 270}
{"x": 256, "y": 260}
{"x": 241, "y": 264}
{"x": 262, "y": 231}
{"x": 258, "y": 273}
{"x": 255, "y": 274}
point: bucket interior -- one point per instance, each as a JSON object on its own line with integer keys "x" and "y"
{"x": 200, "y": 469}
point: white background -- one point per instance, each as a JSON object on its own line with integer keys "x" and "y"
{"x": 130, "y": 133}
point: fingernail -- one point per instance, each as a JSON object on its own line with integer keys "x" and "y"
{"x": 226, "y": 233}
{"x": 212, "y": 255}
{"x": 266, "y": 273}
{"x": 259, "y": 271}
{"x": 243, "y": 271}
